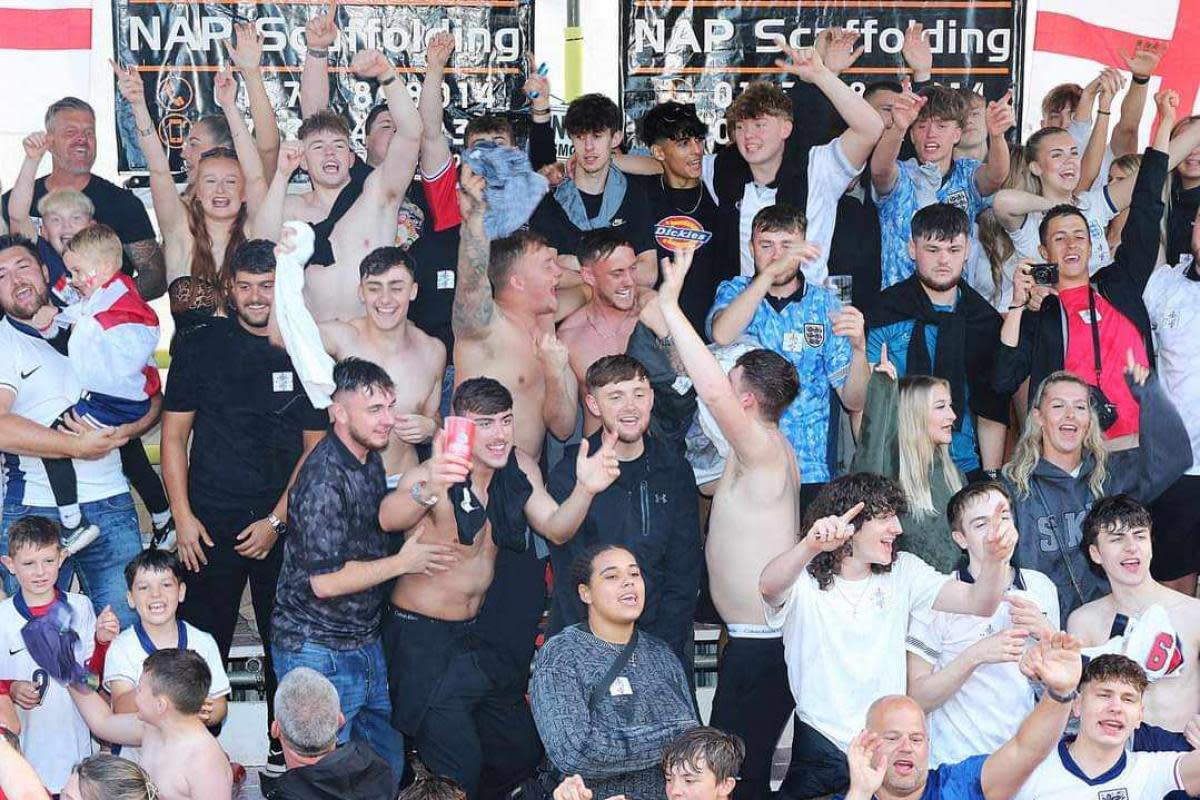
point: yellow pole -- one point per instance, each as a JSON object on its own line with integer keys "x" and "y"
{"x": 573, "y": 53}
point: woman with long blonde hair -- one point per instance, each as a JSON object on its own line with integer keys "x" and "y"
{"x": 906, "y": 432}
{"x": 1061, "y": 465}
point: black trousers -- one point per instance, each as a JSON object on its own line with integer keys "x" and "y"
{"x": 753, "y": 700}
{"x": 60, "y": 473}
{"x": 214, "y": 594}
{"x": 818, "y": 767}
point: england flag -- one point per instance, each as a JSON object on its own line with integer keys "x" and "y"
{"x": 44, "y": 55}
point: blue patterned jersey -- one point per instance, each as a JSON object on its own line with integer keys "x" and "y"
{"x": 802, "y": 333}
{"x": 917, "y": 186}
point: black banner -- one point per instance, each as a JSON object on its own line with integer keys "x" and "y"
{"x": 178, "y": 47}
{"x": 706, "y": 51}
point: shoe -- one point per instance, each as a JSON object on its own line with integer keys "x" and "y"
{"x": 163, "y": 537}
{"x": 275, "y": 763}
{"x": 75, "y": 539}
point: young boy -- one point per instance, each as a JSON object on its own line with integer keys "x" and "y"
{"x": 937, "y": 117}
{"x": 53, "y": 736}
{"x": 113, "y": 339}
{"x": 156, "y": 588}
{"x": 958, "y": 664}
{"x": 178, "y": 752}
{"x": 1157, "y": 627}
{"x": 1097, "y": 763}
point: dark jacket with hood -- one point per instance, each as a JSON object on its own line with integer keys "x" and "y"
{"x": 652, "y": 510}
{"x": 1050, "y": 518}
{"x": 351, "y": 772}
{"x": 1042, "y": 346}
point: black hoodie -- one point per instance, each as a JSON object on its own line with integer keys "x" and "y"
{"x": 351, "y": 772}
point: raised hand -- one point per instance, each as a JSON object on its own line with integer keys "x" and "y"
{"x": 867, "y": 762}
{"x": 1143, "y": 62}
{"x": 537, "y": 85}
{"x": 1001, "y": 538}
{"x": 851, "y": 323}
{"x": 321, "y": 31}
{"x": 1056, "y": 662}
{"x": 830, "y": 533}
{"x": 552, "y": 353}
{"x": 885, "y": 366}
{"x": 597, "y": 472}
{"x": 1135, "y": 370}
{"x": 1111, "y": 83}
{"x": 674, "y": 271}
{"x": 917, "y": 52}
{"x": 1006, "y": 646}
{"x": 107, "y": 626}
{"x": 370, "y": 64}
{"x": 129, "y": 84}
{"x": 246, "y": 52}
{"x": 1167, "y": 102}
{"x": 999, "y": 116}
{"x": 225, "y": 88}
{"x": 804, "y": 63}
{"x": 291, "y": 155}
{"x": 418, "y": 557}
{"x": 906, "y": 107}
{"x": 36, "y": 145}
{"x": 836, "y": 47}
{"x": 439, "y": 50}
{"x": 445, "y": 468}
{"x": 471, "y": 202}
{"x": 1026, "y": 614}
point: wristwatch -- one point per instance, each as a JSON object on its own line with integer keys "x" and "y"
{"x": 417, "y": 492}
{"x": 1062, "y": 698}
{"x": 279, "y": 525}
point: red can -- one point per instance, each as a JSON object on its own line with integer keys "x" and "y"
{"x": 460, "y": 436}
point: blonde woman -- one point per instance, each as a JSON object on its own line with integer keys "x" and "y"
{"x": 906, "y": 433}
{"x": 1061, "y": 465}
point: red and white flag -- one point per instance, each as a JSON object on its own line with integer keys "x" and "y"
{"x": 45, "y": 54}
{"x": 1074, "y": 39}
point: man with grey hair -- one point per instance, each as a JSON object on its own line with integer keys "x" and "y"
{"x": 307, "y": 718}
{"x": 71, "y": 135}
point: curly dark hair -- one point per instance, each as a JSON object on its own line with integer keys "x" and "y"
{"x": 882, "y": 497}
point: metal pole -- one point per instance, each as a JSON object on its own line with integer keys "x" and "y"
{"x": 573, "y": 53}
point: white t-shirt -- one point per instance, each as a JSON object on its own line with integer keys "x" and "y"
{"x": 990, "y": 705}
{"x": 844, "y": 645}
{"x": 44, "y": 385}
{"x": 829, "y": 173}
{"x": 127, "y": 654}
{"x": 1173, "y": 302}
{"x": 1135, "y": 776}
{"x": 54, "y": 736}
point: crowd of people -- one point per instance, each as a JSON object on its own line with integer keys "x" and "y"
{"x": 900, "y": 402}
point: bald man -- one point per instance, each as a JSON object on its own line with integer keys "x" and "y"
{"x": 889, "y": 760}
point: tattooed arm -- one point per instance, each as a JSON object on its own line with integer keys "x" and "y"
{"x": 474, "y": 307}
{"x": 147, "y": 258}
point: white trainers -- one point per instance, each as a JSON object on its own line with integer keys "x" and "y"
{"x": 75, "y": 539}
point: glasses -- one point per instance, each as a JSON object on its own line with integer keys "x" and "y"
{"x": 219, "y": 152}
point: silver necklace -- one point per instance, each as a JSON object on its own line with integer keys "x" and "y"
{"x": 699, "y": 196}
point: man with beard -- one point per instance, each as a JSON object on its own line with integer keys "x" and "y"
{"x": 934, "y": 323}
{"x": 252, "y": 425}
{"x": 451, "y": 690}
{"x": 607, "y": 264}
{"x": 71, "y": 135}
{"x": 806, "y": 324}
{"x": 651, "y": 509}
{"x": 336, "y": 561}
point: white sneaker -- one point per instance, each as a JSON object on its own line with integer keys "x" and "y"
{"x": 77, "y": 538}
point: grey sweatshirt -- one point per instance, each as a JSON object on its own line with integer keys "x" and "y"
{"x": 617, "y": 746}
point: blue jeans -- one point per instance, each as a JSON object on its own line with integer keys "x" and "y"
{"x": 101, "y": 565}
{"x": 360, "y": 677}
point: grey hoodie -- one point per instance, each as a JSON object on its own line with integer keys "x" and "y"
{"x": 1050, "y": 518}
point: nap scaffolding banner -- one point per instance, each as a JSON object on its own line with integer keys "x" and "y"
{"x": 706, "y": 51}
{"x": 178, "y": 47}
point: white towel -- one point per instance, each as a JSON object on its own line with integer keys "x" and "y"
{"x": 300, "y": 334}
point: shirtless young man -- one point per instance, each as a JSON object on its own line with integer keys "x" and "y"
{"x": 506, "y": 332}
{"x": 1154, "y": 625}
{"x": 757, "y": 493}
{"x": 444, "y": 693}
{"x": 347, "y": 228}
{"x": 178, "y": 752}
{"x": 607, "y": 264}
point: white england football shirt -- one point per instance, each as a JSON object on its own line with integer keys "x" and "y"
{"x": 1135, "y": 776}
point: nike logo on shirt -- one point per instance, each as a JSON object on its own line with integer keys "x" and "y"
{"x": 14, "y": 652}
{"x": 25, "y": 375}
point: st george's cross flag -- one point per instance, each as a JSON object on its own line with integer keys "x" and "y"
{"x": 45, "y": 54}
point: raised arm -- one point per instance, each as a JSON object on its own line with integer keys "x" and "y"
{"x": 826, "y": 535}
{"x": 1138, "y": 253}
{"x": 1142, "y": 65}
{"x": 559, "y": 522}
{"x": 1057, "y": 664}
{"x": 749, "y": 440}
{"x": 435, "y": 149}
{"x": 267, "y": 220}
{"x": 246, "y": 55}
{"x": 399, "y": 511}
{"x": 1163, "y": 451}
{"x": 168, "y": 207}
{"x": 1097, "y": 145}
{"x": 225, "y": 92}
{"x": 474, "y": 306}
{"x": 20, "y": 202}
{"x": 1013, "y": 205}
{"x": 124, "y": 729}
{"x": 865, "y": 126}
{"x": 542, "y": 149}
{"x": 999, "y": 117}
{"x": 389, "y": 182}
{"x": 320, "y": 32}
{"x": 885, "y": 170}
{"x": 560, "y": 401}
{"x": 982, "y": 597}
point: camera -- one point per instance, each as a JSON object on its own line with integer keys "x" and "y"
{"x": 1044, "y": 274}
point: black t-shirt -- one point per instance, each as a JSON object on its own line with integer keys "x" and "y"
{"x": 436, "y": 256}
{"x": 251, "y": 412}
{"x": 633, "y": 219}
{"x": 679, "y": 217}
{"x": 118, "y": 208}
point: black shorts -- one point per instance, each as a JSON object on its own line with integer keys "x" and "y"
{"x": 1176, "y": 533}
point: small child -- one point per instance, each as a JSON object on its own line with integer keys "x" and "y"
{"x": 178, "y": 752}
{"x": 53, "y": 735}
{"x": 112, "y": 341}
{"x": 64, "y": 214}
{"x": 156, "y": 588}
